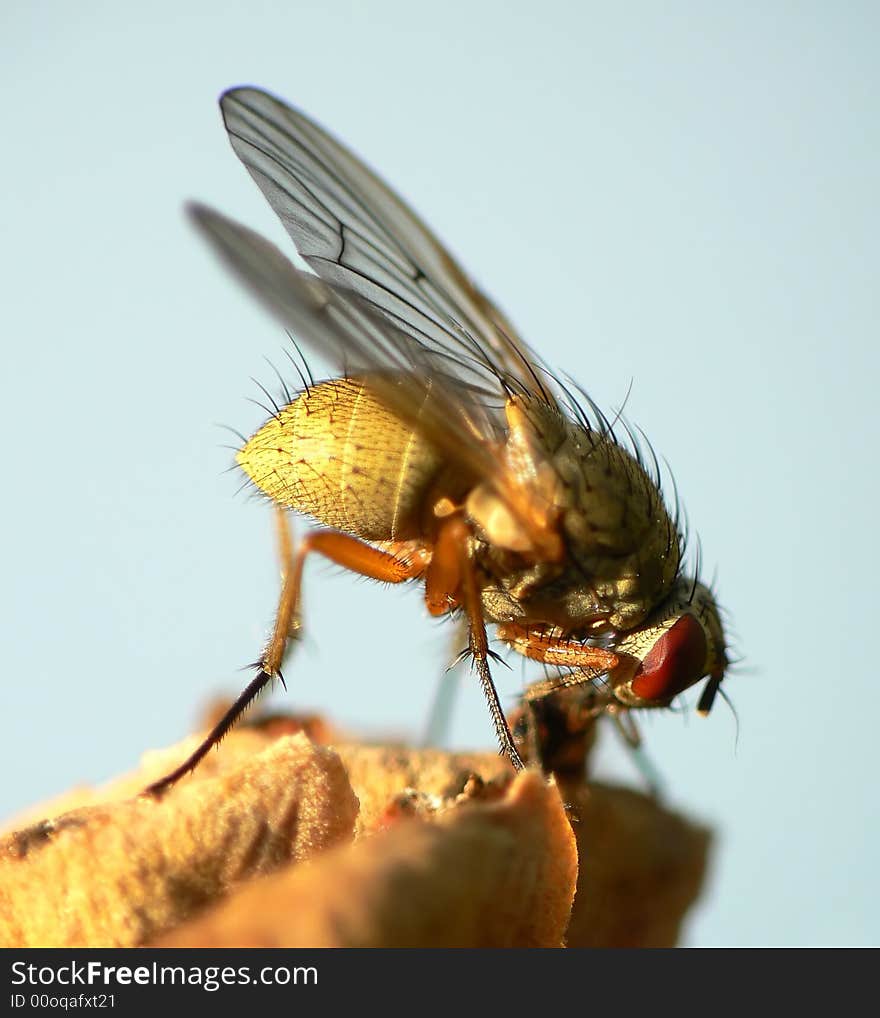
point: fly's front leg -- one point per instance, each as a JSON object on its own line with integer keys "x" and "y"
{"x": 344, "y": 550}
{"x": 540, "y": 645}
{"x": 451, "y": 580}
{"x": 567, "y": 723}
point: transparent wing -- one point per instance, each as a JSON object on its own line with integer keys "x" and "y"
{"x": 356, "y": 233}
{"x": 456, "y": 417}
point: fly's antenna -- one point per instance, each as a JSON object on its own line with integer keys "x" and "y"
{"x": 707, "y": 697}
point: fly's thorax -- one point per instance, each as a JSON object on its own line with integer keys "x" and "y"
{"x": 338, "y": 453}
{"x": 621, "y": 549}
{"x": 549, "y": 593}
{"x": 535, "y": 593}
{"x": 681, "y": 643}
{"x": 617, "y": 526}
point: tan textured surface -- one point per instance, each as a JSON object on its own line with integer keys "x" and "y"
{"x": 378, "y": 774}
{"x": 118, "y": 874}
{"x": 485, "y": 875}
{"x": 642, "y": 868}
{"x": 154, "y": 764}
{"x": 450, "y": 849}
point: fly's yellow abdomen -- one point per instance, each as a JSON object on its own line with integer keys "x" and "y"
{"x": 339, "y": 454}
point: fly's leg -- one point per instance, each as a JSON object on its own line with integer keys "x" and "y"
{"x": 344, "y": 550}
{"x": 534, "y": 644}
{"x": 450, "y": 581}
{"x": 539, "y": 645}
{"x": 560, "y": 712}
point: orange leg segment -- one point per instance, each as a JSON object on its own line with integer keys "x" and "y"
{"x": 539, "y": 645}
{"x": 451, "y": 580}
{"x": 345, "y": 551}
{"x": 443, "y": 575}
{"x": 340, "y": 548}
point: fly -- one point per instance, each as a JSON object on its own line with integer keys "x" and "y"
{"x": 446, "y": 452}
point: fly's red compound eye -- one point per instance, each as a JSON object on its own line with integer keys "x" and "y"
{"x": 676, "y": 661}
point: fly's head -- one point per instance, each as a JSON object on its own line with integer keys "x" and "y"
{"x": 681, "y": 643}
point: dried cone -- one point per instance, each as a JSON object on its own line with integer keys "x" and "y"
{"x": 254, "y": 850}
{"x": 120, "y": 874}
{"x": 495, "y": 875}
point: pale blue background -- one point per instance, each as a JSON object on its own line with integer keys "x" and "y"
{"x": 680, "y": 194}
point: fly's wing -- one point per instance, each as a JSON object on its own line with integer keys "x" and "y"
{"x": 358, "y": 234}
{"x": 365, "y": 342}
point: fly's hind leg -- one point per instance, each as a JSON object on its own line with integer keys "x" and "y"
{"x": 344, "y": 550}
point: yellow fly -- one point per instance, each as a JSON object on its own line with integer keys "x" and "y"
{"x": 446, "y": 452}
